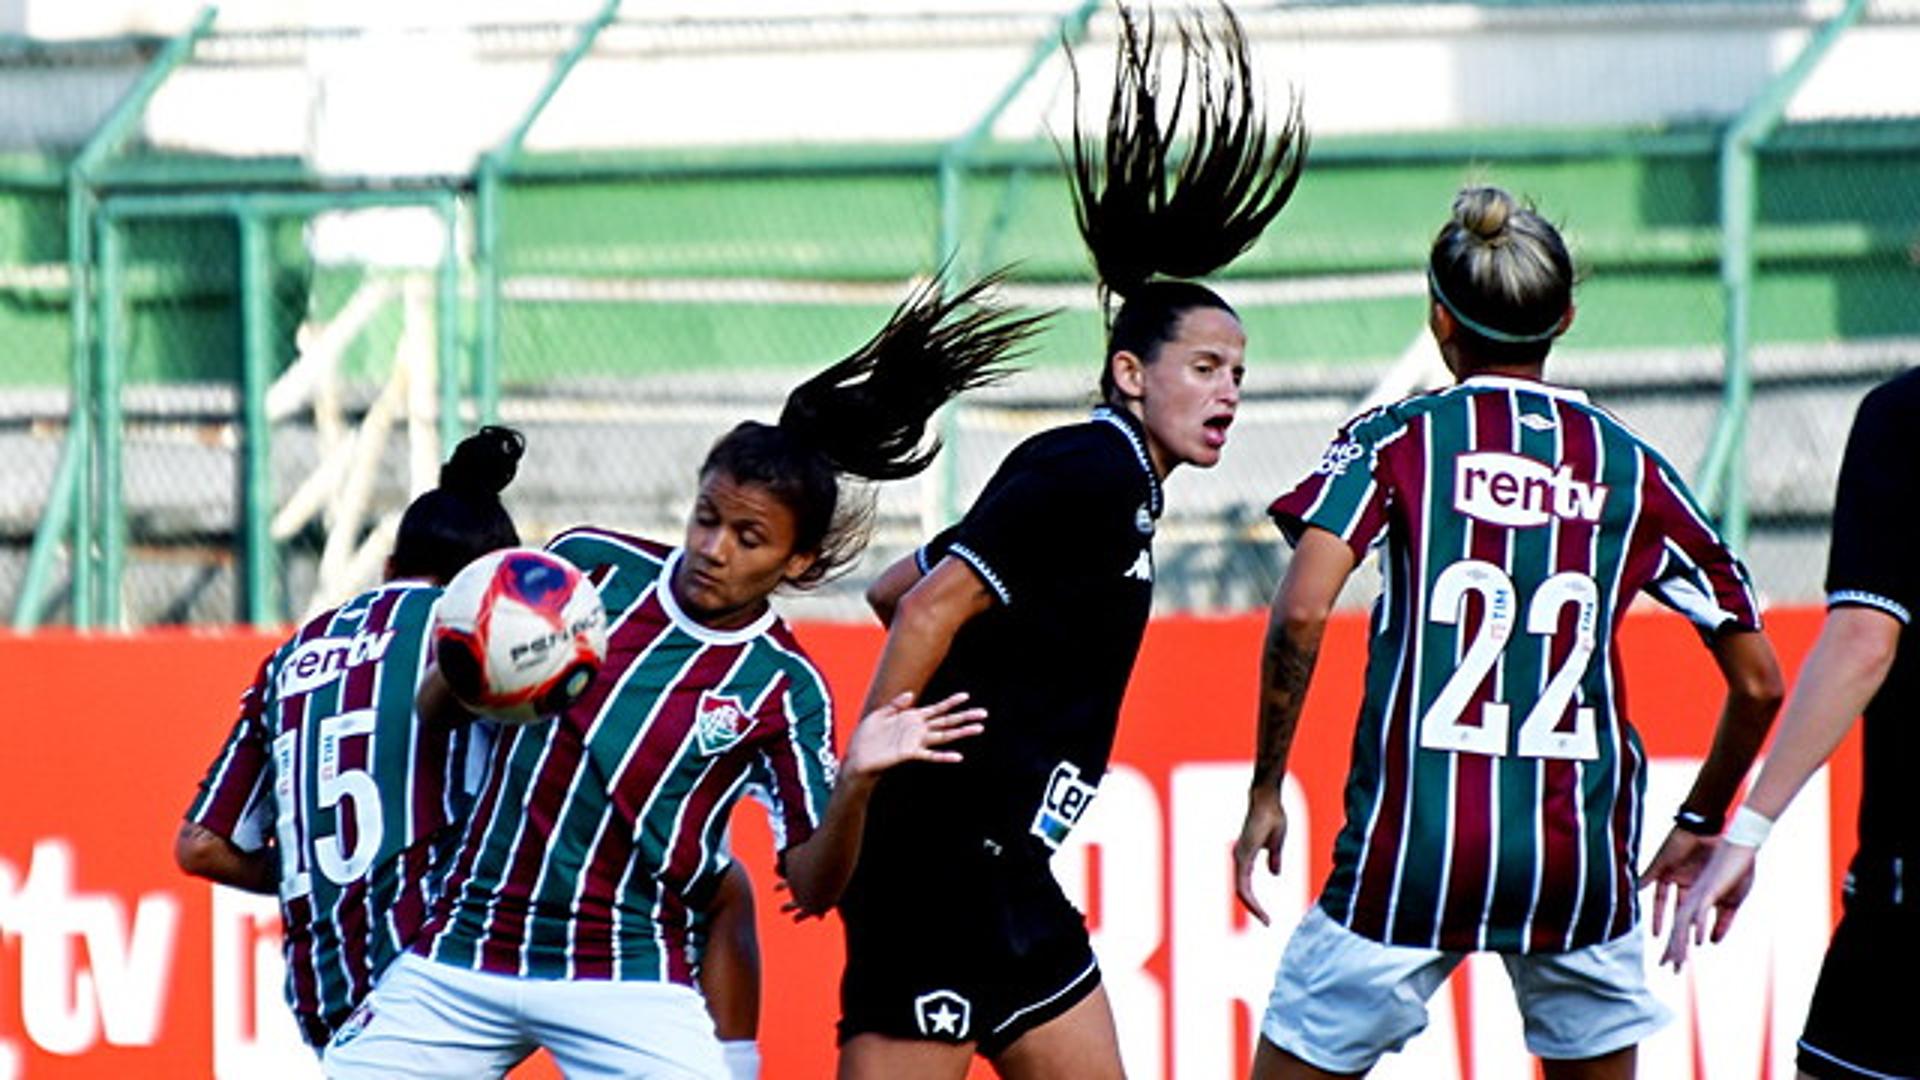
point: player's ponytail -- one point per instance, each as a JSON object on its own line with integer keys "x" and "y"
{"x": 1504, "y": 274}
{"x": 1148, "y": 223}
{"x": 866, "y": 416}
{"x": 462, "y": 519}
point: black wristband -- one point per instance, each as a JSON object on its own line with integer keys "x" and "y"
{"x": 1697, "y": 823}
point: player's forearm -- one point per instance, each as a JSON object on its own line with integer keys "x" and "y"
{"x": 883, "y": 596}
{"x": 206, "y": 854}
{"x": 1295, "y": 625}
{"x": 1754, "y": 693}
{"x": 1286, "y": 667}
{"x": 819, "y": 867}
{"x": 1848, "y": 663}
{"x": 917, "y": 642}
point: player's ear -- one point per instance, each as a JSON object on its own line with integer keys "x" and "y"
{"x": 799, "y": 563}
{"x": 1439, "y": 321}
{"x": 1129, "y": 374}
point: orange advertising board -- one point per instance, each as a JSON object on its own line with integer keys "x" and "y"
{"x": 112, "y": 963}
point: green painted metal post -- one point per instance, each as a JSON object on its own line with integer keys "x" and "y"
{"x": 70, "y": 511}
{"x": 447, "y": 326}
{"x": 493, "y": 168}
{"x": 951, "y": 181}
{"x": 955, "y": 155}
{"x": 110, "y": 423}
{"x": 81, "y": 408}
{"x": 62, "y": 499}
{"x": 256, "y": 550}
{"x": 1722, "y": 478}
{"x": 486, "y": 290}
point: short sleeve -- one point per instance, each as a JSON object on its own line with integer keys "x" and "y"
{"x": 928, "y": 555}
{"x": 233, "y": 800}
{"x": 1343, "y": 494}
{"x": 1011, "y": 536}
{"x": 1870, "y": 561}
{"x": 794, "y": 772}
{"x": 1696, "y": 574}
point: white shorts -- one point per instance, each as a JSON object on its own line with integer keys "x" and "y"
{"x": 432, "y": 1020}
{"x": 1341, "y": 1001}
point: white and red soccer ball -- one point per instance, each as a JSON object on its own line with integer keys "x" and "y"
{"x": 519, "y": 635}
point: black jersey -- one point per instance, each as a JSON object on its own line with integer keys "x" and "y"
{"x": 1062, "y": 536}
{"x": 1876, "y": 523}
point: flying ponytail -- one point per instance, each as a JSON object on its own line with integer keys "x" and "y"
{"x": 866, "y": 416}
{"x": 1148, "y": 223}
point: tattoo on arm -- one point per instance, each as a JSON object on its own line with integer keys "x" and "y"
{"x": 1286, "y": 668}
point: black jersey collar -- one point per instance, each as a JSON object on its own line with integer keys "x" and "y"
{"x": 1129, "y": 425}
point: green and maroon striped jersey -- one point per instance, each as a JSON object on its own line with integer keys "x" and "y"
{"x": 361, "y": 799}
{"x": 1494, "y": 796}
{"x": 599, "y": 835}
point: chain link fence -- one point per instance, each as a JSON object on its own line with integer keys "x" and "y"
{"x": 709, "y": 208}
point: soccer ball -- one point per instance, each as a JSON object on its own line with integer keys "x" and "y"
{"x": 519, "y": 635}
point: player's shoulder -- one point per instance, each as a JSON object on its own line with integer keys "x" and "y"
{"x": 1895, "y": 402}
{"x": 590, "y": 546}
{"x": 787, "y": 659}
{"x": 1107, "y": 450}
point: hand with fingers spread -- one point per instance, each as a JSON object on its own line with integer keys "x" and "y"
{"x": 1673, "y": 871}
{"x": 1719, "y": 887}
{"x": 900, "y": 731}
{"x": 1264, "y": 830}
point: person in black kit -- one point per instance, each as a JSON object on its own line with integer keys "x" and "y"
{"x": 959, "y": 940}
{"x": 1866, "y": 658}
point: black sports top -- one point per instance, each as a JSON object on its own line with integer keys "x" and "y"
{"x": 1062, "y": 536}
{"x": 1876, "y": 526}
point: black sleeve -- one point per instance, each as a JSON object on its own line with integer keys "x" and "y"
{"x": 1020, "y": 527}
{"x": 929, "y": 554}
{"x": 1876, "y": 508}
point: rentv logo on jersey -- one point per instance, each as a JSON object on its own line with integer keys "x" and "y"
{"x": 1507, "y": 489}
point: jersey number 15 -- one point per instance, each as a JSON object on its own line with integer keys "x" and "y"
{"x": 339, "y": 793}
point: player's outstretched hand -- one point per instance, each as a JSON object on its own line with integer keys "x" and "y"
{"x": 901, "y": 731}
{"x": 1719, "y": 888}
{"x": 1674, "y": 869}
{"x": 1265, "y": 829}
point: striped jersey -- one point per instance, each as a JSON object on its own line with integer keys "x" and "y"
{"x": 599, "y": 836}
{"x": 1494, "y": 796}
{"x": 362, "y": 799}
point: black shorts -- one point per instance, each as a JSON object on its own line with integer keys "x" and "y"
{"x": 960, "y": 946}
{"x": 1862, "y": 1017}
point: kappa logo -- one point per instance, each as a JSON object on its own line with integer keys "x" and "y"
{"x": 719, "y": 722}
{"x": 1507, "y": 489}
{"x": 943, "y": 1013}
{"x": 1142, "y": 568}
{"x": 1066, "y": 799}
{"x": 1335, "y": 459}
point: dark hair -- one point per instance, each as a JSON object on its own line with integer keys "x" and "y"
{"x": 866, "y": 416}
{"x": 1504, "y": 274}
{"x": 1232, "y": 181}
{"x": 462, "y": 519}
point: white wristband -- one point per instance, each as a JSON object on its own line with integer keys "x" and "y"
{"x": 1748, "y": 828}
{"x": 743, "y": 1058}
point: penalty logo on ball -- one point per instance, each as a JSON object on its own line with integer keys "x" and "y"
{"x": 520, "y": 635}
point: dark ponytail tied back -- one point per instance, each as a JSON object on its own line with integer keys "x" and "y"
{"x": 866, "y": 416}
{"x": 1146, "y": 220}
{"x": 462, "y": 519}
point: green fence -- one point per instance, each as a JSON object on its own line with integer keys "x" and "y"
{"x": 265, "y": 366}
